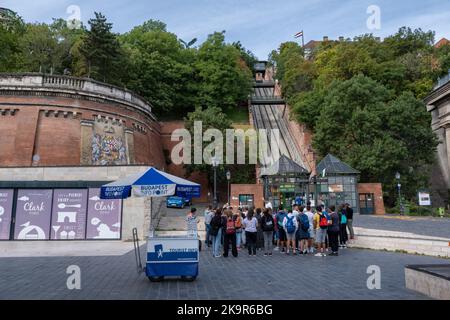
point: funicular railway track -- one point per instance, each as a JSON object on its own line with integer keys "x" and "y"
{"x": 269, "y": 117}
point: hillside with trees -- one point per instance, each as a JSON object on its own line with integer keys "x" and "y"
{"x": 362, "y": 99}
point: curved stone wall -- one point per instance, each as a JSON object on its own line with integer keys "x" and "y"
{"x": 48, "y": 120}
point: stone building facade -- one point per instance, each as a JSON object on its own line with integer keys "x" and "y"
{"x": 438, "y": 104}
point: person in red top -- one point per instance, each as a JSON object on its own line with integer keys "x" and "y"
{"x": 230, "y": 235}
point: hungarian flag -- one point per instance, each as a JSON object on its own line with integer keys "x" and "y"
{"x": 299, "y": 34}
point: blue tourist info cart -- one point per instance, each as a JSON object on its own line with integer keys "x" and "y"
{"x": 166, "y": 255}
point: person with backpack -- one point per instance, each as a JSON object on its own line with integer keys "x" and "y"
{"x": 267, "y": 226}
{"x": 251, "y": 224}
{"x": 343, "y": 236}
{"x": 238, "y": 224}
{"x": 321, "y": 221}
{"x": 333, "y": 231}
{"x": 230, "y": 235}
{"x": 303, "y": 232}
{"x": 290, "y": 226}
{"x": 216, "y": 232}
{"x": 281, "y": 232}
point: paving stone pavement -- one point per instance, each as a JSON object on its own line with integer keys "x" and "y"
{"x": 427, "y": 226}
{"x": 277, "y": 277}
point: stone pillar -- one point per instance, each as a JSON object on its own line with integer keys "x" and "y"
{"x": 129, "y": 140}
{"x": 446, "y": 161}
{"x": 87, "y": 127}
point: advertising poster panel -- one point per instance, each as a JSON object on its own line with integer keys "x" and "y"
{"x": 104, "y": 217}
{"x": 69, "y": 214}
{"x": 6, "y": 204}
{"x": 33, "y": 211}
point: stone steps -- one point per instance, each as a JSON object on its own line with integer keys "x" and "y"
{"x": 401, "y": 241}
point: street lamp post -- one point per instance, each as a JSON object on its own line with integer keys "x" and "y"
{"x": 228, "y": 179}
{"x": 215, "y": 163}
{"x": 397, "y": 176}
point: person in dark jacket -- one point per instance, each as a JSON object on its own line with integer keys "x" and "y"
{"x": 349, "y": 212}
{"x": 333, "y": 231}
{"x": 216, "y": 232}
{"x": 343, "y": 236}
{"x": 259, "y": 235}
{"x": 267, "y": 226}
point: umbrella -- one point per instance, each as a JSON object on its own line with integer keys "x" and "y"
{"x": 151, "y": 183}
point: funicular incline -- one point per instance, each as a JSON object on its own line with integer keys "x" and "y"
{"x": 267, "y": 110}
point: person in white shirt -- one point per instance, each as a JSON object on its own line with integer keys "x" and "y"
{"x": 308, "y": 211}
{"x": 269, "y": 205}
{"x": 250, "y": 225}
{"x": 290, "y": 225}
{"x": 208, "y": 217}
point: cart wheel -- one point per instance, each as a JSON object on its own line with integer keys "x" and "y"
{"x": 188, "y": 278}
{"x": 156, "y": 279}
{"x": 199, "y": 245}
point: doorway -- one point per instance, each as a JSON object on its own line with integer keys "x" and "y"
{"x": 366, "y": 203}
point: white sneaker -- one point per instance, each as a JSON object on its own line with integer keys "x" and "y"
{"x": 324, "y": 254}
{"x": 318, "y": 254}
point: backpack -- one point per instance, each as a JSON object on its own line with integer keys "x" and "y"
{"x": 280, "y": 218}
{"x": 290, "y": 227}
{"x": 230, "y": 227}
{"x": 238, "y": 222}
{"x": 304, "y": 222}
{"x": 343, "y": 219}
{"x": 267, "y": 223}
{"x": 323, "y": 221}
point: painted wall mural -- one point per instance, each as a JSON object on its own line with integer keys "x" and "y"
{"x": 107, "y": 150}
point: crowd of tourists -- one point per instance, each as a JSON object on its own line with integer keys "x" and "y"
{"x": 301, "y": 230}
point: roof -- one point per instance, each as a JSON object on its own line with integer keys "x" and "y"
{"x": 333, "y": 165}
{"x": 441, "y": 43}
{"x": 284, "y": 165}
{"x": 312, "y": 44}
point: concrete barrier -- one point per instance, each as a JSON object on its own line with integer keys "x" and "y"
{"x": 431, "y": 280}
{"x": 401, "y": 241}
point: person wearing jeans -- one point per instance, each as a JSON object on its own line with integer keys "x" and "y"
{"x": 250, "y": 226}
{"x": 216, "y": 233}
{"x": 208, "y": 217}
{"x": 267, "y": 225}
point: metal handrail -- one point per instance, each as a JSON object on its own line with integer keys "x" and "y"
{"x": 137, "y": 251}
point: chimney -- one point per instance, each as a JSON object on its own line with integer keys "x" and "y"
{"x": 341, "y": 38}
{"x": 325, "y": 38}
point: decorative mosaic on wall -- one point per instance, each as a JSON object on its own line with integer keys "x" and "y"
{"x": 107, "y": 150}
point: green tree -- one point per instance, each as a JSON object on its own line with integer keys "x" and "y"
{"x": 102, "y": 52}
{"x": 161, "y": 69}
{"x": 224, "y": 79}
{"x": 377, "y": 133}
{"x": 11, "y": 30}
{"x": 210, "y": 118}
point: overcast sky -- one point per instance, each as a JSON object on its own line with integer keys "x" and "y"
{"x": 260, "y": 25}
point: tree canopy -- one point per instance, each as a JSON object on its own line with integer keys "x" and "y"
{"x": 173, "y": 74}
